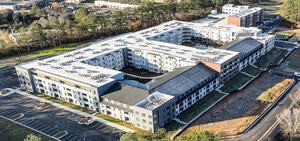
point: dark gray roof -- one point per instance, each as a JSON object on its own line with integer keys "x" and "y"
{"x": 125, "y": 93}
{"x": 168, "y": 76}
{"x": 244, "y": 46}
{"x": 183, "y": 79}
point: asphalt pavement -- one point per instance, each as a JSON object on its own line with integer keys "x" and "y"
{"x": 52, "y": 120}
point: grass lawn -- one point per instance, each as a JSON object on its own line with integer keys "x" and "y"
{"x": 271, "y": 9}
{"x": 282, "y": 36}
{"x": 64, "y": 103}
{"x": 271, "y": 58}
{"x": 4, "y": 67}
{"x": 52, "y": 51}
{"x": 12, "y": 132}
{"x": 235, "y": 83}
{"x": 251, "y": 70}
{"x": 172, "y": 127}
{"x": 117, "y": 121}
{"x": 199, "y": 106}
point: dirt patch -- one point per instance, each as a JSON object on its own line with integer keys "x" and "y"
{"x": 235, "y": 113}
{"x": 292, "y": 63}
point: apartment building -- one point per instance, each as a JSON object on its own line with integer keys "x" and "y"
{"x": 187, "y": 84}
{"x": 117, "y": 5}
{"x": 9, "y": 5}
{"x": 243, "y": 16}
{"x": 250, "y": 50}
{"x": 89, "y": 77}
{"x": 232, "y": 9}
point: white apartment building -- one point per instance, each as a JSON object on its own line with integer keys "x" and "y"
{"x": 114, "y": 4}
{"x": 9, "y": 5}
{"x": 89, "y": 77}
{"x": 232, "y": 9}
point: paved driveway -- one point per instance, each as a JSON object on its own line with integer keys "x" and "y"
{"x": 53, "y": 120}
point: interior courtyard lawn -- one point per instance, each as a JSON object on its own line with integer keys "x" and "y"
{"x": 200, "y": 106}
{"x": 235, "y": 83}
{"x": 12, "y": 132}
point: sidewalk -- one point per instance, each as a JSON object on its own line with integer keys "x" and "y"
{"x": 75, "y": 111}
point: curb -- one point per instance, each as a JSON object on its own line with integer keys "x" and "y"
{"x": 265, "y": 112}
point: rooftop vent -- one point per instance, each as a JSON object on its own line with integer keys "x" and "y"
{"x": 40, "y": 64}
{"x": 48, "y": 61}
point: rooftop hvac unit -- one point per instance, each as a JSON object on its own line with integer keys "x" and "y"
{"x": 40, "y": 64}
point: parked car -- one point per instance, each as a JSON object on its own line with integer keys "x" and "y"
{"x": 90, "y": 121}
{"x": 297, "y": 74}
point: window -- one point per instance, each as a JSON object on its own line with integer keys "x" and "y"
{"x": 149, "y": 116}
{"x": 136, "y": 112}
{"x": 144, "y": 121}
{"x": 143, "y": 115}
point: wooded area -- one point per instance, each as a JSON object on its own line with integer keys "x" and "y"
{"x": 44, "y": 28}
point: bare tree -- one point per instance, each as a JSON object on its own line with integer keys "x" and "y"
{"x": 294, "y": 96}
{"x": 290, "y": 123}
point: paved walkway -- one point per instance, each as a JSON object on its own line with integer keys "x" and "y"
{"x": 257, "y": 67}
{"x": 74, "y": 111}
{"x": 218, "y": 90}
{"x": 178, "y": 120}
{"x": 247, "y": 74}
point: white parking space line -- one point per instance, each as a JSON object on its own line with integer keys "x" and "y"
{"x": 38, "y": 128}
{"x": 45, "y": 129}
{"x": 95, "y": 125}
{"x": 68, "y": 137}
{"x": 55, "y": 132}
{"x": 26, "y": 122}
{"x": 73, "y": 139}
{"x": 32, "y": 123}
{"x": 10, "y": 113}
{"x": 4, "y": 111}
{"x": 48, "y": 130}
{"x": 36, "y": 125}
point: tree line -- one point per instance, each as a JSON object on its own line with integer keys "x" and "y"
{"x": 54, "y": 27}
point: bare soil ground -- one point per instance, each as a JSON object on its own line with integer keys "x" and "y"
{"x": 292, "y": 63}
{"x": 235, "y": 113}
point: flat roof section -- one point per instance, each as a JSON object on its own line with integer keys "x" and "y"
{"x": 125, "y": 94}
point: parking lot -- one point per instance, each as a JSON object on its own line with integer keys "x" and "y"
{"x": 54, "y": 121}
{"x": 8, "y": 79}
